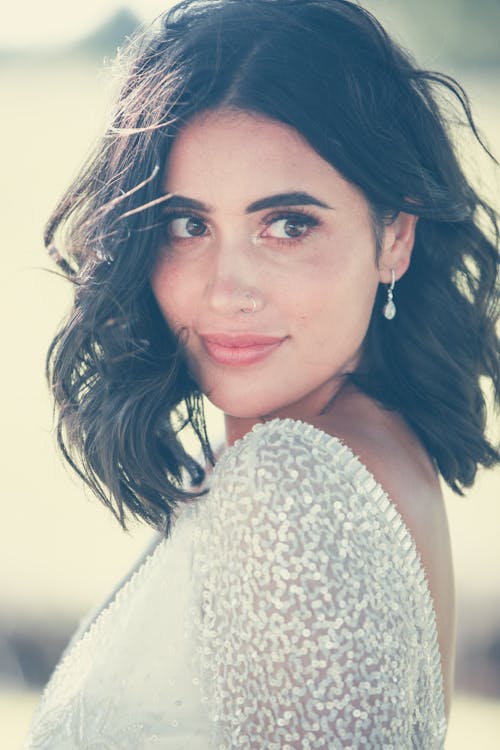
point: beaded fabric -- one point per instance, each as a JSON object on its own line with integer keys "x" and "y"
{"x": 289, "y": 610}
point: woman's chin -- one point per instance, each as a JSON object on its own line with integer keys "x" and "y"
{"x": 240, "y": 407}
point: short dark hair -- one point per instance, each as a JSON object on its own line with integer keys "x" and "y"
{"x": 328, "y": 69}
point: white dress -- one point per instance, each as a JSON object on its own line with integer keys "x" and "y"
{"x": 288, "y": 610}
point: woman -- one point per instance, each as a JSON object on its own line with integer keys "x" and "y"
{"x": 275, "y": 219}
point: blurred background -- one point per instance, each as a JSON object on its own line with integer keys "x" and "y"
{"x": 60, "y": 552}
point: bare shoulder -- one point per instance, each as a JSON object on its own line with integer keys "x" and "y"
{"x": 393, "y": 454}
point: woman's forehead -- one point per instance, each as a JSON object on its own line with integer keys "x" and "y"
{"x": 251, "y": 154}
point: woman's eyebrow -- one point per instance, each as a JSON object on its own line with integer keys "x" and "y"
{"x": 286, "y": 199}
{"x": 180, "y": 201}
{"x": 272, "y": 201}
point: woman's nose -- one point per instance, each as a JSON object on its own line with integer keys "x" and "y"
{"x": 232, "y": 286}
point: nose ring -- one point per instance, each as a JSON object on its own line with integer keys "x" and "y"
{"x": 251, "y": 309}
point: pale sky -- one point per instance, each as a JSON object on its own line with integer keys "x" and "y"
{"x": 44, "y": 22}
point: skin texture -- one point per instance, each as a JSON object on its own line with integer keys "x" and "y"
{"x": 313, "y": 274}
{"x": 315, "y": 291}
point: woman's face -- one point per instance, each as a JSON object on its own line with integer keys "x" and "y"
{"x": 268, "y": 266}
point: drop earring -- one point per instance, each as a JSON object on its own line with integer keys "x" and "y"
{"x": 389, "y": 309}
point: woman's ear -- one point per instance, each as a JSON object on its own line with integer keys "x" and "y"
{"x": 397, "y": 246}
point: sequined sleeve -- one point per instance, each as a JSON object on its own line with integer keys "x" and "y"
{"x": 317, "y": 628}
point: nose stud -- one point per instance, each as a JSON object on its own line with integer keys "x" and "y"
{"x": 251, "y": 308}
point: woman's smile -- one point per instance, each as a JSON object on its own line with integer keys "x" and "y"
{"x": 239, "y": 350}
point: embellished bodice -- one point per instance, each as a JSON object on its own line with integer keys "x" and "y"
{"x": 289, "y": 609}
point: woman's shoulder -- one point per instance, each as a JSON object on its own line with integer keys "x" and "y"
{"x": 359, "y": 445}
{"x": 394, "y": 456}
{"x": 389, "y": 449}
{"x": 288, "y": 452}
{"x": 361, "y": 451}
{"x": 357, "y": 434}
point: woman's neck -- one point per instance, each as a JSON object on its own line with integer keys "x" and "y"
{"x": 237, "y": 427}
{"x": 317, "y": 405}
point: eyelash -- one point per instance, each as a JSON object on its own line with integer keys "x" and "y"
{"x": 309, "y": 220}
{"x": 169, "y": 217}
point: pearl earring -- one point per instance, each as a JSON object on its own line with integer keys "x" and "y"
{"x": 389, "y": 309}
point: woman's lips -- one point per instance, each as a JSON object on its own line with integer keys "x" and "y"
{"x": 239, "y": 349}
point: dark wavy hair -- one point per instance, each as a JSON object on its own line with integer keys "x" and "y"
{"x": 328, "y": 69}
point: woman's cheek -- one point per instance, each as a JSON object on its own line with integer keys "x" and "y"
{"x": 168, "y": 284}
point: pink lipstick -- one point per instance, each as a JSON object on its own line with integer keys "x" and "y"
{"x": 239, "y": 349}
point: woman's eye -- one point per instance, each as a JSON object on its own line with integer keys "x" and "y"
{"x": 290, "y": 227}
{"x": 185, "y": 227}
